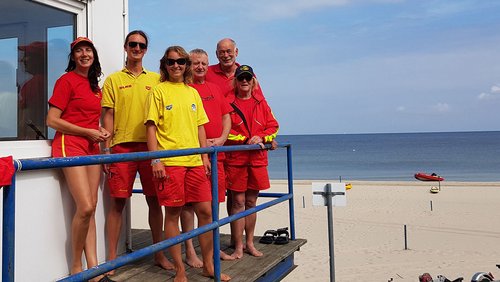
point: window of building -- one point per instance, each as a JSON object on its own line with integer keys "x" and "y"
{"x": 34, "y": 39}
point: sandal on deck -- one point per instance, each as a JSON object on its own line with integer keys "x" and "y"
{"x": 283, "y": 236}
{"x": 269, "y": 237}
{"x": 106, "y": 279}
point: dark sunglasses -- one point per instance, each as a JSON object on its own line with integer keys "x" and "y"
{"x": 133, "y": 44}
{"x": 246, "y": 77}
{"x": 180, "y": 61}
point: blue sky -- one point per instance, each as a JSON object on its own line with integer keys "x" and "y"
{"x": 350, "y": 66}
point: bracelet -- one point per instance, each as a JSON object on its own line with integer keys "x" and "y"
{"x": 155, "y": 161}
{"x": 105, "y": 150}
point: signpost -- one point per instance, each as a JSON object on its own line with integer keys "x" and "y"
{"x": 329, "y": 195}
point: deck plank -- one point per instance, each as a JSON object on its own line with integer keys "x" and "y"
{"x": 248, "y": 268}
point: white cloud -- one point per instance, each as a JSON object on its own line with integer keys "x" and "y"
{"x": 485, "y": 96}
{"x": 401, "y": 109}
{"x": 493, "y": 94}
{"x": 441, "y": 107}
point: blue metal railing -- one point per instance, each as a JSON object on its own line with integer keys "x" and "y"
{"x": 8, "y": 236}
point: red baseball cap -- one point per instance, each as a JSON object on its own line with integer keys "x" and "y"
{"x": 37, "y": 47}
{"x": 79, "y": 40}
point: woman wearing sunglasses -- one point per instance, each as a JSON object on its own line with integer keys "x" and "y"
{"x": 252, "y": 123}
{"x": 174, "y": 120}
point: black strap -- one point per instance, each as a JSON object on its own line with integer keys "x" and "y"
{"x": 242, "y": 116}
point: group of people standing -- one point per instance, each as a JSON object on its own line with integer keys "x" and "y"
{"x": 188, "y": 105}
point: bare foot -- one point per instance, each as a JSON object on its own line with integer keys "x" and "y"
{"x": 163, "y": 262}
{"x": 238, "y": 253}
{"x": 223, "y": 276}
{"x": 180, "y": 277}
{"x": 253, "y": 251}
{"x": 194, "y": 261}
{"x": 224, "y": 256}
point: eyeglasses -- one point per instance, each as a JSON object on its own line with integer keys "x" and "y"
{"x": 247, "y": 77}
{"x": 180, "y": 61}
{"x": 133, "y": 44}
{"x": 222, "y": 52}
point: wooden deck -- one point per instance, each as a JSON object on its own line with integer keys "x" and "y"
{"x": 246, "y": 269}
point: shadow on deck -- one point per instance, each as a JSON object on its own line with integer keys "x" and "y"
{"x": 277, "y": 262}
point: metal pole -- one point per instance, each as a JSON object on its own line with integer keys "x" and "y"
{"x": 215, "y": 215}
{"x": 330, "y": 231}
{"x": 291, "y": 208}
{"x": 406, "y": 241}
{"x": 9, "y": 227}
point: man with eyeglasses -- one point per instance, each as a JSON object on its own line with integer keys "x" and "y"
{"x": 124, "y": 98}
{"x": 222, "y": 73}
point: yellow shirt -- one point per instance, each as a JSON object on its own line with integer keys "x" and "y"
{"x": 126, "y": 94}
{"x": 177, "y": 110}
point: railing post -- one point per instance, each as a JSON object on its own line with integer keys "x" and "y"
{"x": 215, "y": 214}
{"x": 8, "y": 231}
{"x": 290, "y": 190}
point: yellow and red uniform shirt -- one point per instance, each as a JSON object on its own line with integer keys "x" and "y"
{"x": 260, "y": 122}
{"x": 126, "y": 94}
{"x": 177, "y": 110}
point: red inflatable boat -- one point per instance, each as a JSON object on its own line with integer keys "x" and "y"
{"x": 428, "y": 177}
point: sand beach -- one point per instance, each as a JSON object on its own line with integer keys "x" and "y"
{"x": 459, "y": 237}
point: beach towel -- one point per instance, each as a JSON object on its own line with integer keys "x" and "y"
{"x": 6, "y": 171}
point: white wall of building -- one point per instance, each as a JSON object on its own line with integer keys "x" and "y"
{"x": 44, "y": 207}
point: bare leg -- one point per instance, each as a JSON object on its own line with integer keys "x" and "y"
{"x": 81, "y": 191}
{"x": 239, "y": 225}
{"x": 113, "y": 226}
{"x": 250, "y": 220}
{"x": 171, "y": 230}
{"x": 90, "y": 249}
{"x": 155, "y": 218}
{"x": 204, "y": 213}
{"x": 187, "y": 223}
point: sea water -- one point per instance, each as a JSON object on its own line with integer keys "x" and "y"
{"x": 456, "y": 156}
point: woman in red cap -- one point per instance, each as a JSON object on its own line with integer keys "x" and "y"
{"x": 74, "y": 112}
{"x": 252, "y": 123}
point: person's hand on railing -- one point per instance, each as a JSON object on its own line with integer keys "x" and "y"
{"x": 216, "y": 141}
{"x": 256, "y": 140}
{"x": 274, "y": 144}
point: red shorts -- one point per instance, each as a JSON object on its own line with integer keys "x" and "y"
{"x": 65, "y": 145}
{"x": 241, "y": 178}
{"x": 121, "y": 176}
{"x": 183, "y": 185}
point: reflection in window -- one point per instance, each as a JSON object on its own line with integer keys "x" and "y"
{"x": 30, "y": 62}
{"x": 59, "y": 39}
{"x": 8, "y": 89}
{"x": 32, "y": 91}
